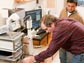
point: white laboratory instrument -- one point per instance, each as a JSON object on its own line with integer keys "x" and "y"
{"x": 29, "y": 26}
{"x": 11, "y": 44}
{"x": 13, "y": 22}
{"x": 3, "y": 29}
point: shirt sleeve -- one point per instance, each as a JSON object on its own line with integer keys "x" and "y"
{"x": 59, "y": 38}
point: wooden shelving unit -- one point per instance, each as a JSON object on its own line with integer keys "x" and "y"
{"x": 22, "y": 1}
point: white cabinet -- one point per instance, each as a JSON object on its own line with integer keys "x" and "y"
{"x": 11, "y": 43}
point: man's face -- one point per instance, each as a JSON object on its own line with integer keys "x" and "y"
{"x": 47, "y": 29}
{"x": 70, "y": 7}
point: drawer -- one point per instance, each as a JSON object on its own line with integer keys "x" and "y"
{"x": 9, "y": 45}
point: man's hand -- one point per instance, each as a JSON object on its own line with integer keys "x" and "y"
{"x": 29, "y": 59}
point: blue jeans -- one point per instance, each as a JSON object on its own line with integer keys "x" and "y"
{"x": 65, "y": 57}
{"x": 78, "y": 58}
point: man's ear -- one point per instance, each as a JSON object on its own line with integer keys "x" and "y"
{"x": 53, "y": 24}
{"x": 42, "y": 25}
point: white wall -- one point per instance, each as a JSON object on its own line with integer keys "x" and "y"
{"x": 10, "y": 4}
{"x": 59, "y": 4}
{"x": 81, "y": 11}
{"x": 44, "y": 4}
{"x": 7, "y": 4}
{"x": 27, "y": 6}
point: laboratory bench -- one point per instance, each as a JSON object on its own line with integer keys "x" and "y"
{"x": 41, "y": 39}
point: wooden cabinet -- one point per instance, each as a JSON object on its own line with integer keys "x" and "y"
{"x": 41, "y": 39}
{"x": 22, "y": 1}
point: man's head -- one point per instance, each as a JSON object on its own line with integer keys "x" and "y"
{"x": 71, "y": 5}
{"x": 48, "y": 22}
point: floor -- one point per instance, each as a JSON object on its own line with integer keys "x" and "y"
{"x": 54, "y": 59}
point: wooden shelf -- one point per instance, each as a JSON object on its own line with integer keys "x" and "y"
{"x": 22, "y": 1}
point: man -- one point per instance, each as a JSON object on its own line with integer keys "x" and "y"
{"x": 67, "y": 34}
{"x": 70, "y": 12}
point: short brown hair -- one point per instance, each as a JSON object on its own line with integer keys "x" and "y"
{"x": 72, "y": 1}
{"x": 48, "y": 19}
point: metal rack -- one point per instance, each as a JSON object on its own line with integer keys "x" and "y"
{"x": 11, "y": 43}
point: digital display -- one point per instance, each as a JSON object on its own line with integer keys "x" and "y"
{"x": 36, "y": 16}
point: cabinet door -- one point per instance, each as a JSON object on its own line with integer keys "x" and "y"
{"x": 22, "y": 1}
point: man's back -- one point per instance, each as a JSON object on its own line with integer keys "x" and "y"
{"x": 75, "y": 35}
{"x": 66, "y": 57}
